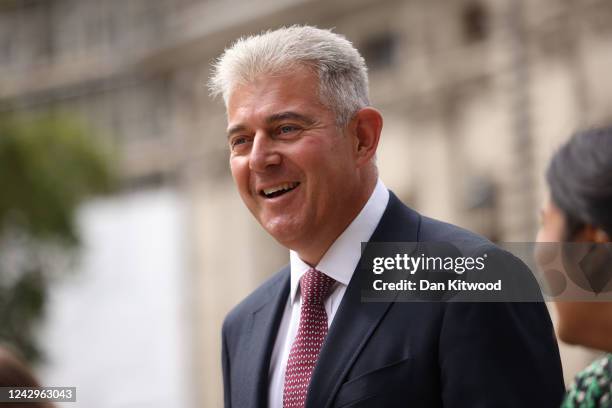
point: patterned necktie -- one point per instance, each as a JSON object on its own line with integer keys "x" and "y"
{"x": 314, "y": 288}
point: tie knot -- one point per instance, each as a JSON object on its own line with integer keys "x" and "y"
{"x": 315, "y": 286}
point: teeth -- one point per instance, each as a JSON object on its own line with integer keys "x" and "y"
{"x": 286, "y": 186}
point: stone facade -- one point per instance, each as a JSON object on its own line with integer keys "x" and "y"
{"x": 475, "y": 96}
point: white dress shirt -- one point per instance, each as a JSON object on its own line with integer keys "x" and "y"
{"x": 339, "y": 262}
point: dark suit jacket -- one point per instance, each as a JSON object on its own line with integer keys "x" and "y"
{"x": 403, "y": 354}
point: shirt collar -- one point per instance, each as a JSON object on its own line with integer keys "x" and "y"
{"x": 340, "y": 260}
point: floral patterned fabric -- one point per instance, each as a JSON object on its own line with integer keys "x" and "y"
{"x": 592, "y": 387}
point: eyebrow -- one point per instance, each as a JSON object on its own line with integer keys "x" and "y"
{"x": 235, "y": 129}
{"x": 277, "y": 117}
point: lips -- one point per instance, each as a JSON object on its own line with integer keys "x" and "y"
{"x": 278, "y": 190}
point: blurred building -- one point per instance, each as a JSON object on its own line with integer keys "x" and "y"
{"x": 475, "y": 96}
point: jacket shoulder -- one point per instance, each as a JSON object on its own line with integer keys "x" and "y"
{"x": 433, "y": 230}
{"x": 402, "y": 223}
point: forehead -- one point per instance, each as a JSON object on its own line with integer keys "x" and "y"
{"x": 269, "y": 94}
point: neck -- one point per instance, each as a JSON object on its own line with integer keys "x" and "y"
{"x": 316, "y": 248}
{"x": 586, "y": 324}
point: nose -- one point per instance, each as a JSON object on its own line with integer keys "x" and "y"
{"x": 263, "y": 153}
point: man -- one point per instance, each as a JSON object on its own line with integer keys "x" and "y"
{"x": 303, "y": 140}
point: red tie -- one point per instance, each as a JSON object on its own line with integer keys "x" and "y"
{"x": 314, "y": 288}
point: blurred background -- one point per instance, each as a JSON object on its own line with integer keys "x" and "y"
{"x": 123, "y": 243}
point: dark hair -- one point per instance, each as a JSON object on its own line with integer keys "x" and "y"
{"x": 580, "y": 180}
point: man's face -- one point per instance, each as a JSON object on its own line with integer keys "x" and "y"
{"x": 294, "y": 168}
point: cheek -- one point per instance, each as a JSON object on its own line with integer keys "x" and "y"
{"x": 240, "y": 173}
{"x": 326, "y": 165}
{"x": 551, "y": 230}
{"x": 554, "y": 233}
{"x": 543, "y": 234}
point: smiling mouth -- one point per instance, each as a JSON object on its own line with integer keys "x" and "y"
{"x": 279, "y": 190}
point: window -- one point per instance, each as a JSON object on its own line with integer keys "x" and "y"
{"x": 380, "y": 51}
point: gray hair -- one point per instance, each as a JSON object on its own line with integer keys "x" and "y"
{"x": 342, "y": 72}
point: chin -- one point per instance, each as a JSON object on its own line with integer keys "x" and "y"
{"x": 286, "y": 232}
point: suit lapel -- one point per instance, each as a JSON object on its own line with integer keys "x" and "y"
{"x": 355, "y": 321}
{"x": 260, "y": 343}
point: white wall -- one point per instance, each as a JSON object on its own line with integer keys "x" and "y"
{"x": 118, "y": 329}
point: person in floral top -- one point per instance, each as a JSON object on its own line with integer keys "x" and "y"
{"x": 579, "y": 209}
{"x": 592, "y": 387}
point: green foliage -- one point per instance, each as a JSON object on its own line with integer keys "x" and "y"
{"x": 21, "y": 306}
{"x": 48, "y": 165}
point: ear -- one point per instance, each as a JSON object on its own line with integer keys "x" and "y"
{"x": 367, "y": 125}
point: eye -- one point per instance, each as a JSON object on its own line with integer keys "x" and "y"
{"x": 284, "y": 129}
{"x": 237, "y": 141}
